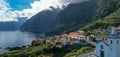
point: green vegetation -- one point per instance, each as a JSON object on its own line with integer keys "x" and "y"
{"x": 94, "y": 14}
{"x": 112, "y": 19}
{"x": 106, "y": 14}
{"x": 76, "y": 52}
{"x": 106, "y": 7}
{"x": 48, "y": 50}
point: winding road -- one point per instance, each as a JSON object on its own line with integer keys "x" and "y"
{"x": 90, "y": 54}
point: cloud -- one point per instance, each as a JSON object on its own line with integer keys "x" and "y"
{"x": 6, "y": 14}
{"x": 3, "y": 11}
{"x": 40, "y": 5}
{"x": 72, "y": 1}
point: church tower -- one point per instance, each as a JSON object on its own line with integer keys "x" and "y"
{"x": 114, "y": 43}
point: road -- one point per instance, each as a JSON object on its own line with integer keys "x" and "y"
{"x": 90, "y": 54}
{"x": 83, "y": 55}
{"x": 92, "y": 43}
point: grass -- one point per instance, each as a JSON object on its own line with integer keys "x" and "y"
{"x": 47, "y": 50}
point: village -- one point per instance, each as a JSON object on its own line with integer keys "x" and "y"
{"x": 80, "y": 37}
{"x": 103, "y": 43}
{"x": 71, "y": 38}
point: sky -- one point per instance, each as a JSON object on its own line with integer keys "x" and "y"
{"x": 10, "y": 10}
{"x": 20, "y": 4}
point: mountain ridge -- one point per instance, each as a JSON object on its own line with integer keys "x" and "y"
{"x": 81, "y": 16}
{"x": 58, "y": 21}
{"x": 9, "y": 26}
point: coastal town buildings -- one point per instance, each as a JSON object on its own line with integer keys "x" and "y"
{"x": 71, "y": 38}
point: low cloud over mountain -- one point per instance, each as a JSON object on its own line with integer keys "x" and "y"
{"x": 7, "y": 14}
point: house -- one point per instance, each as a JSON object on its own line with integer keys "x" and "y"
{"x": 57, "y": 38}
{"x": 110, "y": 46}
{"x": 81, "y": 37}
{"x": 72, "y": 38}
{"x": 48, "y": 41}
{"x": 78, "y": 36}
{"x": 64, "y": 41}
{"x": 73, "y": 35}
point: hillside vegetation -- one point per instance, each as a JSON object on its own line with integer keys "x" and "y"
{"x": 108, "y": 15}
{"x": 58, "y": 21}
{"x": 39, "y": 49}
{"x": 90, "y": 15}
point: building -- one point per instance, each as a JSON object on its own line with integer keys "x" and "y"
{"x": 64, "y": 41}
{"x": 73, "y": 35}
{"x": 77, "y": 36}
{"x": 71, "y": 38}
{"x": 110, "y": 46}
{"x": 81, "y": 37}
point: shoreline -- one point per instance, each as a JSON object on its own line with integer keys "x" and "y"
{"x": 8, "y": 49}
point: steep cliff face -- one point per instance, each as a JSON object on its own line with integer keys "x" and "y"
{"x": 41, "y": 22}
{"x": 75, "y": 16}
{"x": 53, "y": 20}
{"x": 98, "y": 14}
{"x": 107, "y": 15}
{"x": 106, "y": 7}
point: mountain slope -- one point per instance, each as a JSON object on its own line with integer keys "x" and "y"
{"x": 88, "y": 15}
{"x": 106, "y": 7}
{"x": 74, "y": 16}
{"x": 108, "y": 14}
{"x": 9, "y": 26}
{"x": 112, "y": 19}
{"x": 41, "y": 22}
{"x": 71, "y": 16}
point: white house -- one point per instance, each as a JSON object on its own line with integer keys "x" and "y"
{"x": 81, "y": 37}
{"x": 64, "y": 41}
{"x": 109, "y": 47}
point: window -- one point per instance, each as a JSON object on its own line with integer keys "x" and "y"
{"x": 111, "y": 42}
{"x": 117, "y": 42}
{"x": 101, "y": 46}
{"x": 102, "y": 54}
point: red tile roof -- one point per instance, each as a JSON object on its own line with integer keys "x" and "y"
{"x": 73, "y": 35}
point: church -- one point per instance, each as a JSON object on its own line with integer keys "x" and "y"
{"x": 110, "y": 46}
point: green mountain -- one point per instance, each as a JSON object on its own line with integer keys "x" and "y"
{"x": 54, "y": 22}
{"x": 41, "y": 22}
{"x": 107, "y": 15}
{"x": 88, "y": 15}
{"x": 106, "y": 7}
